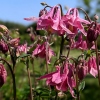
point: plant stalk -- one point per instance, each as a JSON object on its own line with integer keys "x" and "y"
{"x": 13, "y": 78}
{"x": 29, "y": 78}
{"x": 97, "y": 61}
{"x": 77, "y": 84}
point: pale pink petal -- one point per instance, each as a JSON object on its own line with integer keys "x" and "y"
{"x": 32, "y": 19}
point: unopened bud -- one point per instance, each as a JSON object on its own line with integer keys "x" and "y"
{"x": 61, "y": 95}
{"x": 3, "y": 28}
{"x": 92, "y": 34}
{"x": 42, "y": 12}
{"x": 96, "y": 17}
{"x": 3, "y": 75}
{"x": 43, "y": 3}
{"x": 3, "y": 47}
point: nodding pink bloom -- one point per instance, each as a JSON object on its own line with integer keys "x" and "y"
{"x": 52, "y": 78}
{"x": 72, "y": 23}
{"x": 62, "y": 80}
{"x": 82, "y": 70}
{"x": 3, "y": 46}
{"x": 40, "y": 51}
{"x": 68, "y": 82}
{"x": 49, "y": 21}
{"x": 3, "y": 75}
{"x": 80, "y": 43}
{"x": 22, "y": 49}
{"x": 93, "y": 32}
{"x": 14, "y": 42}
{"x": 92, "y": 66}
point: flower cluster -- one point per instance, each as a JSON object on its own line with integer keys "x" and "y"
{"x": 73, "y": 32}
{"x": 80, "y": 33}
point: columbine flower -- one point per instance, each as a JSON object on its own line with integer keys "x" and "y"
{"x": 92, "y": 32}
{"x": 3, "y": 46}
{"x": 72, "y": 23}
{"x": 3, "y": 75}
{"x": 62, "y": 80}
{"x": 82, "y": 70}
{"x": 22, "y": 49}
{"x": 80, "y": 43}
{"x": 14, "y": 42}
{"x": 40, "y": 51}
{"x": 49, "y": 21}
{"x": 92, "y": 66}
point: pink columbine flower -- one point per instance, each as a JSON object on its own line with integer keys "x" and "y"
{"x": 3, "y": 75}
{"x": 22, "y": 49}
{"x": 80, "y": 43}
{"x": 72, "y": 23}
{"x": 14, "y": 42}
{"x": 40, "y": 51}
{"x": 52, "y": 78}
{"x": 82, "y": 70}
{"x": 62, "y": 80}
{"x": 92, "y": 66}
{"x": 49, "y": 21}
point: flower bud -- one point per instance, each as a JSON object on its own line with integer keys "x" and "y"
{"x": 3, "y": 46}
{"x": 61, "y": 95}
{"x": 43, "y": 3}
{"x": 3, "y": 28}
{"x": 92, "y": 34}
{"x": 42, "y": 12}
{"x": 3, "y": 75}
{"x": 96, "y": 17}
{"x": 14, "y": 42}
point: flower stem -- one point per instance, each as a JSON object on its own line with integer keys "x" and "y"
{"x": 88, "y": 18}
{"x": 13, "y": 78}
{"x": 34, "y": 79}
{"x": 61, "y": 46}
{"x": 97, "y": 60}
{"x": 29, "y": 78}
{"x": 47, "y": 55}
{"x": 77, "y": 83}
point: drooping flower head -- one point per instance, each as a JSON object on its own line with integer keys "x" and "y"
{"x": 62, "y": 80}
{"x": 72, "y": 23}
{"x": 22, "y": 49}
{"x": 3, "y": 46}
{"x": 80, "y": 43}
{"x": 40, "y": 51}
{"x": 14, "y": 42}
{"x": 49, "y": 20}
{"x": 82, "y": 70}
{"x": 92, "y": 66}
{"x": 3, "y": 75}
{"x": 92, "y": 32}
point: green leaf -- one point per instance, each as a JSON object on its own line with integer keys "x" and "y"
{"x": 81, "y": 86}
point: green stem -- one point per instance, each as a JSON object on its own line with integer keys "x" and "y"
{"x": 77, "y": 84}
{"x": 61, "y": 46}
{"x": 29, "y": 78}
{"x": 34, "y": 79}
{"x": 13, "y": 78}
{"x": 97, "y": 60}
{"x": 47, "y": 55}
